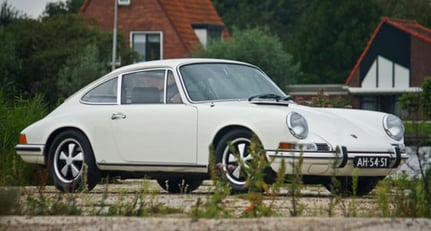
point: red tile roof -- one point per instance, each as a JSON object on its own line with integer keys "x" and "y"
{"x": 411, "y": 27}
{"x": 408, "y": 26}
{"x": 183, "y": 14}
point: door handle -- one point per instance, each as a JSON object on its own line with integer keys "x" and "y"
{"x": 118, "y": 116}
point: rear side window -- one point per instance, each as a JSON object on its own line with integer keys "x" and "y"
{"x": 105, "y": 93}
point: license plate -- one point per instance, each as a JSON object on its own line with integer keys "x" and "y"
{"x": 371, "y": 162}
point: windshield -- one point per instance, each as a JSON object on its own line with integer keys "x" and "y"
{"x": 225, "y": 81}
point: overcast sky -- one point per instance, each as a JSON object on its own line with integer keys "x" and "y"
{"x": 32, "y": 8}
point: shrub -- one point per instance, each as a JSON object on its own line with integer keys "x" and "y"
{"x": 79, "y": 70}
{"x": 14, "y": 118}
{"x": 259, "y": 47}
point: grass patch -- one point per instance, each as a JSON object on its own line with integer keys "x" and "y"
{"x": 14, "y": 118}
{"x": 403, "y": 196}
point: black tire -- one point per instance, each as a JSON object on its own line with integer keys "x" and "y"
{"x": 343, "y": 186}
{"x": 227, "y": 163}
{"x": 69, "y": 152}
{"x": 179, "y": 185}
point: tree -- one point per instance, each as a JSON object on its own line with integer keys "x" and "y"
{"x": 418, "y": 10}
{"x": 325, "y": 36}
{"x": 257, "y": 46}
{"x": 60, "y": 8}
{"x": 280, "y": 16}
{"x": 43, "y": 46}
{"x": 79, "y": 70}
{"x": 8, "y": 14}
{"x": 330, "y": 37}
{"x": 10, "y": 63}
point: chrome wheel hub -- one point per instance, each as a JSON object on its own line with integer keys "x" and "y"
{"x": 68, "y": 160}
{"x": 235, "y": 159}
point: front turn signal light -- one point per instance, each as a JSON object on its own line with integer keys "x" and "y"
{"x": 285, "y": 146}
{"x": 22, "y": 139}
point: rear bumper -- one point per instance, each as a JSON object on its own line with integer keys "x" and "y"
{"x": 338, "y": 162}
{"x": 31, "y": 153}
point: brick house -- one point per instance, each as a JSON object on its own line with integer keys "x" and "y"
{"x": 160, "y": 29}
{"x": 395, "y": 60}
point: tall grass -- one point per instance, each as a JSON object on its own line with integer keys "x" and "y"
{"x": 13, "y": 118}
{"x": 403, "y": 196}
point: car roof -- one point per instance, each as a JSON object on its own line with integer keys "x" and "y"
{"x": 173, "y": 63}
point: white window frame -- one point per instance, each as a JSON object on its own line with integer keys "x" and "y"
{"x": 203, "y": 33}
{"x": 148, "y": 32}
{"x": 123, "y": 2}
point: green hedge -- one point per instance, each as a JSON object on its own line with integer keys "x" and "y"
{"x": 14, "y": 117}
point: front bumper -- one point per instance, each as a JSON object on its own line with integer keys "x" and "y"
{"x": 31, "y": 153}
{"x": 338, "y": 162}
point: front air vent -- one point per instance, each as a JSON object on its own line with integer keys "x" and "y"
{"x": 322, "y": 147}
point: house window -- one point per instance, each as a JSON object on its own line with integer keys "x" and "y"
{"x": 383, "y": 103}
{"x": 208, "y": 34}
{"x": 123, "y": 2}
{"x": 214, "y": 35}
{"x": 369, "y": 103}
{"x": 147, "y": 44}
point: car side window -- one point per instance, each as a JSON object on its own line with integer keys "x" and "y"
{"x": 172, "y": 92}
{"x": 143, "y": 87}
{"x": 105, "y": 93}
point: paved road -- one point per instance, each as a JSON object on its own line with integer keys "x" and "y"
{"x": 180, "y": 224}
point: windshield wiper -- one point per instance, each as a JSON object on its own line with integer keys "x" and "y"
{"x": 271, "y": 96}
{"x": 265, "y": 96}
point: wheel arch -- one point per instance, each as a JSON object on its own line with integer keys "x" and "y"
{"x": 227, "y": 129}
{"x": 236, "y": 184}
{"x": 52, "y": 136}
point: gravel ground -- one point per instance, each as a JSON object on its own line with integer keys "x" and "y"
{"x": 315, "y": 202}
{"x": 180, "y": 224}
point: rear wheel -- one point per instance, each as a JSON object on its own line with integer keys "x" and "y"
{"x": 71, "y": 162}
{"x": 179, "y": 185}
{"x": 343, "y": 186}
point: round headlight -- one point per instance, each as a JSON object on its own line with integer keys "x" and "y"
{"x": 393, "y": 126}
{"x": 297, "y": 125}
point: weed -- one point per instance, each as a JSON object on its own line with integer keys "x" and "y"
{"x": 143, "y": 203}
{"x": 214, "y": 207}
{"x": 382, "y": 197}
{"x": 332, "y": 186}
{"x": 63, "y": 204}
{"x": 256, "y": 170}
{"x": 295, "y": 186}
{"x": 351, "y": 207}
{"x": 402, "y": 196}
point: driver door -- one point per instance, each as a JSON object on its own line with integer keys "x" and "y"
{"x": 153, "y": 127}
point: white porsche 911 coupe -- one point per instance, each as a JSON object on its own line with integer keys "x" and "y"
{"x": 160, "y": 118}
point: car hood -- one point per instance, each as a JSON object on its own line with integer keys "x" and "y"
{"x": 346, "y": 127}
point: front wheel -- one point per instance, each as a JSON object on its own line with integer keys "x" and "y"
{"x": 232, "y": 157}
{"x": 71, "y": 162}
